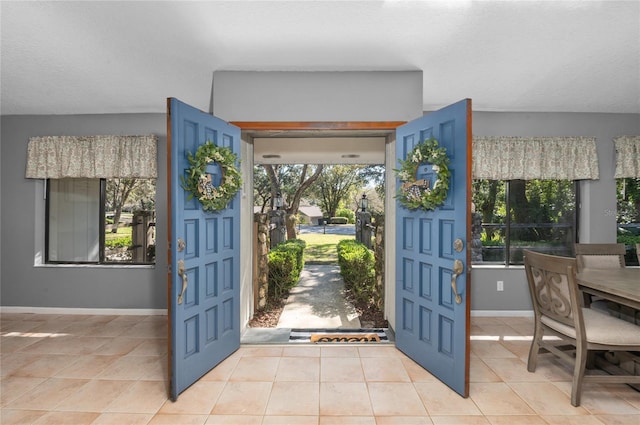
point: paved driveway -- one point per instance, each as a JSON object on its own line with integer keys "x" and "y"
{"x": 329, "y": 229}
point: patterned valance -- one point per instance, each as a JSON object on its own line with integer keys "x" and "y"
{"x": 57, "y": 157}
{"x": 627, "y": 156}
{"x": 527, "y": 158}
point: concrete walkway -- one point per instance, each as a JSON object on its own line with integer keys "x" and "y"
{"x": 318, "y": 301}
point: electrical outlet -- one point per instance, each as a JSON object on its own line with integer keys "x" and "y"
{"x": 500, "y": 285}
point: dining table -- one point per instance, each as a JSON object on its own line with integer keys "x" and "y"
{"x": 621, "y": 285}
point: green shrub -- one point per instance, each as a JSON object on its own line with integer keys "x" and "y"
{"x": 357, "y": 267}
{"x": 338, "y": 220}
{"x": 348, "y": 214}
{"x": 628, "y": 239}
{"x": 286, "y": 262}
{"x": 296, "y": 248}
{"x": 119, "y": 242}
{"x": 282, "y": 276}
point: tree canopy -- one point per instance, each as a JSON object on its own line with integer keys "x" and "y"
{"x": 331, "y": 187}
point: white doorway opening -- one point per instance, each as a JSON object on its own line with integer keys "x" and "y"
{"x": 353, "y": 146}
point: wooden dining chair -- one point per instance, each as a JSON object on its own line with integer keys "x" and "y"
{"x": 558, "y": 312}
{"x": 601, "y": 256}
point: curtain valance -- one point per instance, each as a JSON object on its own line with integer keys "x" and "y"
{"x": 526, "y": 158}
{"x": 627, "y": 156}
{"x": 57, "y": 157}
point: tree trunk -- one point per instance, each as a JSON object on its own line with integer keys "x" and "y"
{"x": 520, "y": 206}
{"x": 293, "y": 204}
{"x": 116, "y": 218}
{"x": 488, "y": 207}
{"x": 293, "y": 208}
{"x": 290, "y": 222}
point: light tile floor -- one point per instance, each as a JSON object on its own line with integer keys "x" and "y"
{"x": 113, "y": 370}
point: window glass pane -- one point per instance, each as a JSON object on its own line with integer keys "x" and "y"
{"x": 488, "y": 222}
{"x": 77, "y": 209}
{"x": 629, "y": 217}
{"x": 73, "y": 220}
{"x": 130, "y": 235}
{"x": 542, "y": 216}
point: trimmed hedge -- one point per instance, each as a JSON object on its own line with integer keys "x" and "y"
{"x": 348, "y": 214}
{"x": 338, "y": 220}
{"x": 357, "y": 267}
{"x": 286, "y": 262}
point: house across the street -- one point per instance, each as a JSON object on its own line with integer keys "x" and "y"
{"x": 310, "y": 214}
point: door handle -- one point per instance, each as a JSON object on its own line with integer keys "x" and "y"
{"x": 458, "y": 268}
{"x": 183, "y": 274}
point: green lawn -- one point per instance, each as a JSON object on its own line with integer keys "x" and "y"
{"x": 122, "y": 231}
{"x": 322, "y": 249}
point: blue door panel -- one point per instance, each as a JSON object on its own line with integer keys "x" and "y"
{"x": 447, "y": 236}
{"x": 426, "y": 243}
{"x": 425, "y": 325}
{"x": 212, "y": 279}
{"x": 211, "y": 235}
{"x": 432, "y": 328}
{"x": 211, "y": 316}
{"x": 407, "y": 319}
{"x": 425, "y": 280}
{"x": 204, "y": 327}
{"x": 191, "y": 234}
{"x": 447, "y": 334}
{"x": 447, "y": 299}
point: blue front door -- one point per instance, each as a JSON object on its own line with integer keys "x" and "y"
{"x": 432, "y": 324}
{"x": 204, "y": 288}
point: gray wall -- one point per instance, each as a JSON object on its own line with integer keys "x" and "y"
{"x": 22, "y": 284}
{"x": 317, "y": 96}
{"x": 597, "y": 219}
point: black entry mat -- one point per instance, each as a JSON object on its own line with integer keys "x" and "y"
{"x": 376, "y": 335}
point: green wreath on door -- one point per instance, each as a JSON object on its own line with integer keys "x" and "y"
{"x": 416, "y": 194}
{"x": 199, "y": 184}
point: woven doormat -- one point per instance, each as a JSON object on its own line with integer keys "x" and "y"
{"x": 338, "y": 335}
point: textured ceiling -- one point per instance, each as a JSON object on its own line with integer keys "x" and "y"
{"x": 112, "y": 57}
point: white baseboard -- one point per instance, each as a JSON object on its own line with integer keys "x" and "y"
{"x": 92, "y": 311}
{"x": 501, "y": 313}
{"x": 163, "y": 312}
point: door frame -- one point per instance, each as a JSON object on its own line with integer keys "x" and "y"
{"x": 251, "y": 129}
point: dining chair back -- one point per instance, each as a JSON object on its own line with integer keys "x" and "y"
{"x": 558, "y": 312}
{"x": 600, "y": 255}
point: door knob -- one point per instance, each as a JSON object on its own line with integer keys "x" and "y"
{"x": 458, "y": 245}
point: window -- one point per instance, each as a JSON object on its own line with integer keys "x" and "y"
{"x": 100, "y": 221}
{"x": 628, "y": 190}
{"x": 514, "y": 215}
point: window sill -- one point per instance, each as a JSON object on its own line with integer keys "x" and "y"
{"x": 497, "y": 266}
{"x": 96, "y": 266}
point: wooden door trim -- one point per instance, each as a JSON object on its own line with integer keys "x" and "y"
{"x": 317, "y": 125}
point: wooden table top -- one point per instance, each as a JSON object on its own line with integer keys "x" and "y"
{"x": 622, "y": 284}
